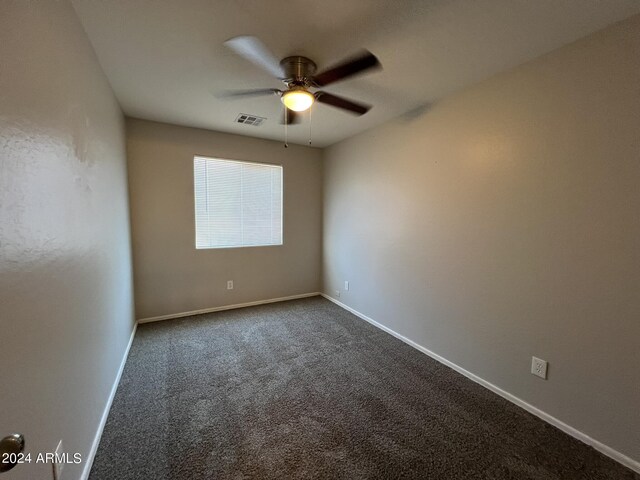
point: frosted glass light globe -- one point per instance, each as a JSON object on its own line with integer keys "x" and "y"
{"x": 298, "y": 100}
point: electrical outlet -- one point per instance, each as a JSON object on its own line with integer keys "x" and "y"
{"x": 338, "y": 293}
{"x": 346, "y": 285}
{"x": 57, "y": 464}
{"x": 539, "y": 367}
{"x": 229, "y": 284}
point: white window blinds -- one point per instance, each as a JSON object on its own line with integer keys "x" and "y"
{"x": 238, "y": 204}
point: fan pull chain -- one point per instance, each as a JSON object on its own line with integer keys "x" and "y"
{"x": 286, "y": 121}
{"x": 310, "y": 125}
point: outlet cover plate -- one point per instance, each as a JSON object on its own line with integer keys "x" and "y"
{"x": 539, "y": 367}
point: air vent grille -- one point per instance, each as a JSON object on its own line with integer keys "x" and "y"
{"x": 247, "y": 119}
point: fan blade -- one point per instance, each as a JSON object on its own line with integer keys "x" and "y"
{"x": 292, "y": 117}
{"x": 252, "y": 49}
{"x": 249, "y": 93}
{"x": 351, "y": 67}
{"x": 340, "y": 102}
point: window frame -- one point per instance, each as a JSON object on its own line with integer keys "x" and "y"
{"x": 193, "y": 184}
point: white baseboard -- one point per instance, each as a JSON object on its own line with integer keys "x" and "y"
{"x": 105, "y": 414}
{"x": 583, "y": 437}
{"x": 226, "y": 307}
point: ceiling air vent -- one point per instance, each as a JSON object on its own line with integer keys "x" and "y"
{"x": 247, "y": 119}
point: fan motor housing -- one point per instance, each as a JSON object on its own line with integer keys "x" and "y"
{"x": 297, "y": 69}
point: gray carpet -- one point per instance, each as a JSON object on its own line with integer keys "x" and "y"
{"x": 303, "y": 389}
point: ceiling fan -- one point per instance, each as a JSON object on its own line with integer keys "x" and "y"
{"x": 299, "y": 75}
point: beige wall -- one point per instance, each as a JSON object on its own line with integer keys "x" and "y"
{"x": 171, "y": 276}
{"x": 66, "y": 306}
{"x": 503, "y": 223}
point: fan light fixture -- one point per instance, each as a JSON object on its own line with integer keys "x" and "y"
{"x": 298, "y": 99}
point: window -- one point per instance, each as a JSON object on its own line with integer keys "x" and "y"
{"x": 238, "y": 204}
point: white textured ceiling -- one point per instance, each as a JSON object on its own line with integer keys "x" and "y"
{"x": 165, "y": 59}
